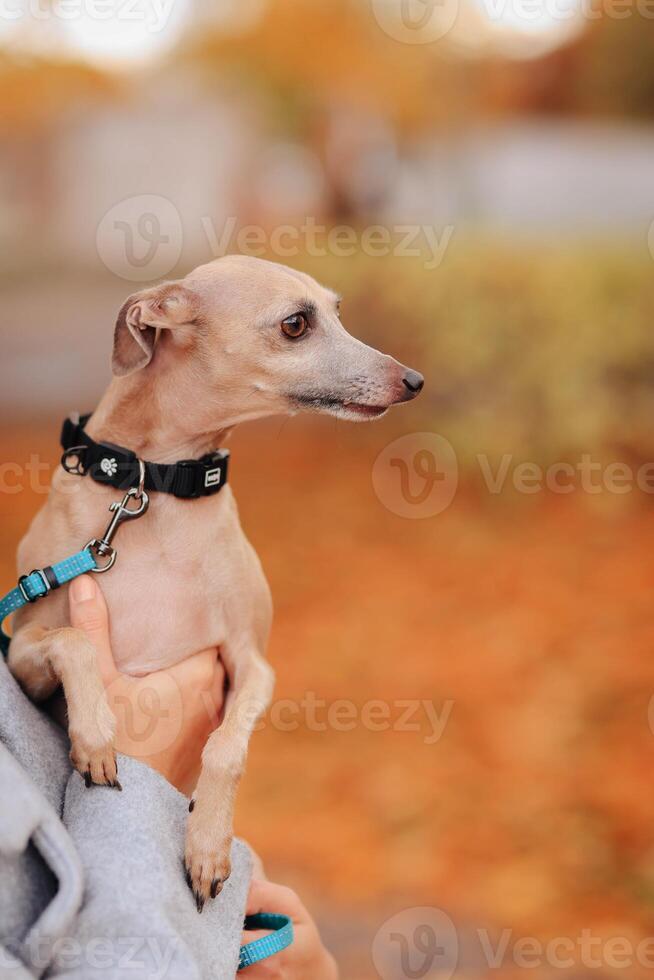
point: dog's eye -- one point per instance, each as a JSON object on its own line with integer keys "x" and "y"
{"x": 294, "y": 326}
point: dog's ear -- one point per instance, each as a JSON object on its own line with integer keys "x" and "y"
{"x": 140, "y": 319}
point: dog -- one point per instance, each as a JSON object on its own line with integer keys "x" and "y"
{"x": 237, "y": 339}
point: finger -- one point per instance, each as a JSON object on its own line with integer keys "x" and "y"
{"x": 88, "y": 612}
{"x": 195, "y": 670}
{"x": 266, "y": 896}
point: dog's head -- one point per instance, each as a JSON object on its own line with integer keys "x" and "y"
{"x": 254, "y": 338}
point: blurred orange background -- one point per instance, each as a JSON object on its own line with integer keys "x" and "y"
{"x": 479, "y": 563}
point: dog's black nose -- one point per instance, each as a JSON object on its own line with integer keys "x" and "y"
{"x": 413, "y": 381}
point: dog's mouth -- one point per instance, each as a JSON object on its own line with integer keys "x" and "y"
{"x": 339, "y": 406}
{"x": 365, "y": 411}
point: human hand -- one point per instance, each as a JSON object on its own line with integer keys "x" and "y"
{"x": 306, "y": 956}
{"x": 165, "y": 718}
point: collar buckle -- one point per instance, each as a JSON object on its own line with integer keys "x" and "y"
{"x": 215, "y": 474}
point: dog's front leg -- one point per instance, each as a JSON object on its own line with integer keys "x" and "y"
{"x": 40, "y": 659}
{"x": 211, "y": 818}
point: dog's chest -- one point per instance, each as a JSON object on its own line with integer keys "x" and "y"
{"x": 187, "y": 579}
{"x": 161, "y": 610}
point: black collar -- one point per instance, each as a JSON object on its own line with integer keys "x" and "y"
{"x": 120, "y": 468}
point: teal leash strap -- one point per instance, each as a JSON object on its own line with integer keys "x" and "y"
{"x": 281, "y": 936}
{"x": 41, "y": 581}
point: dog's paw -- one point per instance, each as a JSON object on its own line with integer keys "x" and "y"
{"x": 207, "y": 857}
{"x": 95, "y": 765}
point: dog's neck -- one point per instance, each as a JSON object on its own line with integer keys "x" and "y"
{"x": 153, "y": 424}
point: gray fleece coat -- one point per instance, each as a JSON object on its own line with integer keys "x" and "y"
{"x": 91, "y": 880}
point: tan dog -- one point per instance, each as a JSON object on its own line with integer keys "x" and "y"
{"x": 237, "y": 339}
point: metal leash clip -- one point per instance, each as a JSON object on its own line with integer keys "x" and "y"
{"x": 122, "y": 512}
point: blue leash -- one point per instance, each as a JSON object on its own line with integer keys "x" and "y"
{"x": 279, "y": 938}
{"x": 40, "y": 582}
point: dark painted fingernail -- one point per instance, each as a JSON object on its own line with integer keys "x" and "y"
{"x": 216, "y": 886}
{"x": 87, "y": 779}
{"x": 116, "y": 785}
{"x": 199, "y": 901}
{"x": 188, "y": 879}
{"x": 190, "y": 806}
